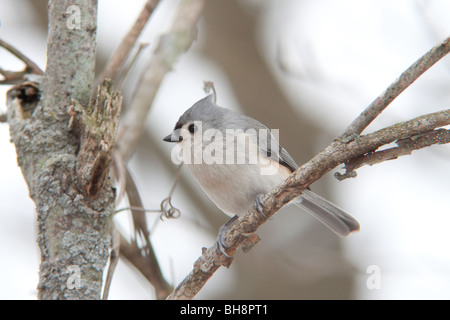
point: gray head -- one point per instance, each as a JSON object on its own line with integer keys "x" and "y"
{"x": 211, "y": 116}
{"x": 214, "y": 117}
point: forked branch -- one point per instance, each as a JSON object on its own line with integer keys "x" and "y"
{"x": 349, "y": 146}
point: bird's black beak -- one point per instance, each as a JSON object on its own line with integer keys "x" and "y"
{"x": 170, "y": 138}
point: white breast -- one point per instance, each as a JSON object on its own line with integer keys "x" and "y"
{"x": 231, "y": 186}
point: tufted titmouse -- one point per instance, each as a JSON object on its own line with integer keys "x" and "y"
{"x": 235, "y": 159}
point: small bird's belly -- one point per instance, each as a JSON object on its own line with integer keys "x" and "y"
{"x": 233, "y": 187}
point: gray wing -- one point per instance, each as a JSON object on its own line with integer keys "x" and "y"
{"x": 332, "y": 216}
{"x": 271, "y": 146}
{"x": 286, "y": 160}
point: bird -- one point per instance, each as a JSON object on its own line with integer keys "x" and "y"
{"x": 236, "y": 160}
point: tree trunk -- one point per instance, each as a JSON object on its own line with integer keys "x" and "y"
{"x": 63, "y": 140}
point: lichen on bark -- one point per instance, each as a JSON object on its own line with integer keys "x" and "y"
{"x": 73, "y": 225}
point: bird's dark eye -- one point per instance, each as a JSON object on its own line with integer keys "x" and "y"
{"x": 191, "y": 128}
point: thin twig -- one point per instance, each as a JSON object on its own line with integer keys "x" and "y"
{"x": 404, "y": 147}
{"x": 144, "y": 251}
{"x": 123, "y": 50}
{"x": 113, "y": 260}
{"x": 398, "y": 86}
{"x": 130, "y": 252}
{"x": 170, "y": 47}
{"x": 121, "y": 76}
{"x": 30, "y": 66}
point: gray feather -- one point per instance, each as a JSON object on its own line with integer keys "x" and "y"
{"x": 332, "y": 216}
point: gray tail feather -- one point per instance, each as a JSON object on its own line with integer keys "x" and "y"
{"x": 333, "y": 217}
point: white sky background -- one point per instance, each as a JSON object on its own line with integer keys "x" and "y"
{"x": 339, "y": 55}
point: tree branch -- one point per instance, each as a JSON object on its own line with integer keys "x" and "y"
{"x": 14, "y": 77}
{"x": 122, "y": 52}
{"x": 72, "y": 37}
{"x": 342, "y": 150}
{"x": 30, "y": 66}
{"x": 398, "y": 86}
{"x": 241, "y": 232}
{"x": 404, "y": 147}
{"x": 143, "y": 257}
{"x": 170, "y": 47}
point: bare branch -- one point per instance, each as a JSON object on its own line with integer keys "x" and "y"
{"x": 404, "y": 147}
{"x": 241, "y": 232}
{"x": 342, "y": 150}
{"x": 123, "y": 50}
{"x": 65, "y": 45}
{"x": 12, "y": 77}
{"x": 121, "y": 76}
{"x": 170, "y": 47}
{"x": 30, "y": 66}
{"x": 113, "y": 261}
{"x": 393, "y": 91}
{"x": 131, "y": 253}
{"x": 16, "y": 77}
{"x": 137, "y": 255}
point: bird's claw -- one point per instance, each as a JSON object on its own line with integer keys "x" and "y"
{"x": 220, "y": 243}
{"x": 259, "y": 205}
{"x": 251, "y": 239}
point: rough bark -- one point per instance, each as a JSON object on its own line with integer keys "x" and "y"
{"x": 63, "y": 140}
